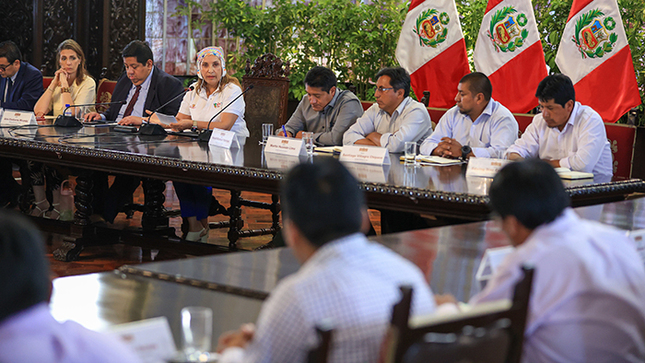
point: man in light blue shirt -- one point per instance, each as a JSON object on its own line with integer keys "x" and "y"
{"x": 476, "y": 126}
{"x": 394, "y": 119}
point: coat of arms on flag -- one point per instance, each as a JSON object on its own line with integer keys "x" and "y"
{"x": 430, "y": 28}
{"x": 592, "y": 34}
{"x": 506, "y": 31}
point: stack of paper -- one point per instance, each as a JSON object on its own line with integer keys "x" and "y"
{"x": 566, "y": 173}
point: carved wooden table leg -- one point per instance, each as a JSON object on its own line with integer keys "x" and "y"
{"x": 275, "y": 213}
{"x": 237, "y": 223}
{"x": 154, "y": 216}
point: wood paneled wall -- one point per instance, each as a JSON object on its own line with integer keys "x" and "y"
{"x": 101, "y": 27}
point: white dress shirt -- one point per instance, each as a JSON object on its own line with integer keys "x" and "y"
{"x": 350, "y": 283}
{"x": 33, "y": 335}
{"x": 489, "y": 136}
{"x": 588, "y": 297}
{"x": 581, "y": 145}
{"x": 409, "y": 122}
{"x": 201, "y": 107}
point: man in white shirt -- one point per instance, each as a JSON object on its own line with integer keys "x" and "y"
{"x": 566, "y": 133}
{"x": 394, "y": 119}
{"x": 28, "y": 331}
{"x": 345, "y": 280}
{"x": 476, "y": 126}
{"x": 588, "y": 298}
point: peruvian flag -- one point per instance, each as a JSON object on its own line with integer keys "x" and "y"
{"x": 595, "y": 54}
{"x": 509, "y": 52}
{"x": 432, "y": 49}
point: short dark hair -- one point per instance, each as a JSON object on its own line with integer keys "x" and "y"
{"x": 530, "y": 190}
{"x": 323, "y": 200}
{"x": 320, "y": 77}
{"x": 23, "y": 265}
{"x": 10, "y": 50}
{"x": 478, "y": 83}
{"x": 556, "y": 87}
{"x": 399, "y": 78}
{"x": 140, "y": 50}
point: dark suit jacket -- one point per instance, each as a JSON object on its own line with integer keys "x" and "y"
{"x": 163, "y": 87}
{"x": 26, "y": 90}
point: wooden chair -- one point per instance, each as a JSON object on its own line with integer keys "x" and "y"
{"x": 47, "y": 80}
{"x": 266, "y": 103}
{"x": 490, "y": 332}
{"x": 104, "y": 93}
{"x": 320, "y": 354}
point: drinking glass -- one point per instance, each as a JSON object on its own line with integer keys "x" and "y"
{"x": 267, "y": 130}
{"x": 410, "y": 153}
{"x": 308, "y": 138}
{"x": 197, "y": 328}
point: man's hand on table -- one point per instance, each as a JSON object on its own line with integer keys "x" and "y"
{"x": 238, "y": 338}
{"x": 448, "y": 148}
{"x": 91, "y": 116}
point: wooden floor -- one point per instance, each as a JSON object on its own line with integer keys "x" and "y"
{"x": 106, "y": 258}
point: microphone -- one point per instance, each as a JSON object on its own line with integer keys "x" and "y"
{"x": 148, "y": 128}
{"x": 71, "y": 121}
{"x": 205, "y": 135}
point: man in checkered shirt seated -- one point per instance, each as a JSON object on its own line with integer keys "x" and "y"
{"x": 345, "y": 281}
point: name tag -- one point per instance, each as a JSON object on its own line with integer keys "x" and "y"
{"x": 150, "y": 339}
{"x": 365, "y": 155}
{"x": 223, "y": 138}
{"x": 18, "y": 118}
{"x": 492, "y": 258}
{"x": 485, "y": 167}
{"x": 285, "y": 146}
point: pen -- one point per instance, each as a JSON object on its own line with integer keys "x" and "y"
{"x": 284, "y": 131}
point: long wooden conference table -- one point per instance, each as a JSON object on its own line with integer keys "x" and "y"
{"x": 439, "y": 191}
{"x": 235, "y": 284}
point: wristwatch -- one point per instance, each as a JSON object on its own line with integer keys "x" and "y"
{"x": 194, "y": 128}
{"x": 465, "y": 150}
{"x": 64, "y": 90}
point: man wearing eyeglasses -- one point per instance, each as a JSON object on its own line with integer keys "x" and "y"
{"x": 394, "y": 119}
{"x": 326, "y": 110}
{"x": 21, "y": 86}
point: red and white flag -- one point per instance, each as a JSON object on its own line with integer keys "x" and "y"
{"x": 432, "y": 49}
{"x": 595, "y": 54}
{"x": 509, "y": 52}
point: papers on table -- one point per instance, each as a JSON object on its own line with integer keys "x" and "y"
{"x": 166, "y": 119}
{"x": 566, "y": 173}
{"x": 328, "y": 149}
{"x": 434, "y": 160}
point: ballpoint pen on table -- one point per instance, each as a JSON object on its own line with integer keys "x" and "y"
{"x": 284, "y": 131}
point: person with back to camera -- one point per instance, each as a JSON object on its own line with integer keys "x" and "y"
{"x": 28, "y": 331}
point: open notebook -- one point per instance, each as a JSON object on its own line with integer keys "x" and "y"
{"x": 568, "y": 174}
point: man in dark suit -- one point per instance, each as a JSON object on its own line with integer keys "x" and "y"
{"x": 21, "y": 86}
{"x": 144, "y": 88}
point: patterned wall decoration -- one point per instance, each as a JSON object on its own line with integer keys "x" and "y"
{"x": 16, "y": 25}
{"x": 94, "y": 53}
{"x": 125, "y": 26}
{"x": 58, "y": 25}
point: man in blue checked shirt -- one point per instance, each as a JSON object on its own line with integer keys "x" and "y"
{"x": 345, "y": 280}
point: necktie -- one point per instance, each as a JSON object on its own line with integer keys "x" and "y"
{"x": 7, "y": 89}
{"x": 128, "y": 110}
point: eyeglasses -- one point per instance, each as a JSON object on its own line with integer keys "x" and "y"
{"x": 4, "y": 67}
{"x": 383, "y": 89}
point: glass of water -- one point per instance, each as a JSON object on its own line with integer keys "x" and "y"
{"x": 308, "y": 138}
{"x": 197, "y": 329}
{"x": 267, "y": 130}
{"x": 410, "y": 153}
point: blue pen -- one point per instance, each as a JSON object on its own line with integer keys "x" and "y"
{"x": 284, "y": 131}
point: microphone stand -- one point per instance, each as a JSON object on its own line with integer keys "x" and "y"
{"x": 71, "y": 121}
{"x": 205, "y": 135}
{"x": 148, "y": 128}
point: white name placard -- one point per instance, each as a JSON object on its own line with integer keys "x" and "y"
{"x": 18, "y": 118}
{"x": 485, "y": 167}
{"x": 490, "y": 261}
{"x": 150, "y": 339}
{"x": 223, "y": 138}
{"x": 285, "y": 146}
{"x": 365, "y": 155}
